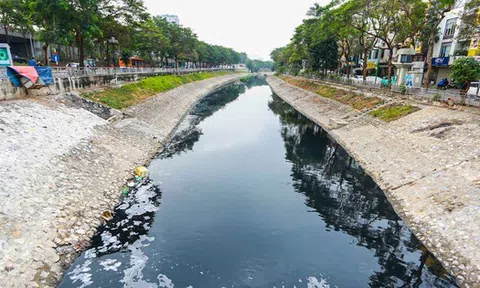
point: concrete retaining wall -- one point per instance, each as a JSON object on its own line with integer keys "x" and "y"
{"x": 77, "y": 83}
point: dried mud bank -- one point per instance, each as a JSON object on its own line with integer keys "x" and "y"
{"x": 427, "y": 163}
{"x": 62, "y": 166}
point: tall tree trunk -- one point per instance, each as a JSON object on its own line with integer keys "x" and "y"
{"x": 26, "y": 45}
{"x": 108, "y": 54}
{"x": 45, "y": 53}
{"x": 81, "y": 52}
{"x": 428, "y": 75}
{"x": 5, "y": 26}
{"x": 390, "y": 60}
{"x": 365, "y": 64}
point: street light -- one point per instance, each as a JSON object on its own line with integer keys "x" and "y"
{"x": 112, "y": 42}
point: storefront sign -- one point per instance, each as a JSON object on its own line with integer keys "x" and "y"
{"x": 371, "y": 65}
{"x": 440, "y": 61}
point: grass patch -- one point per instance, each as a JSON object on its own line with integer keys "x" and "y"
{"x": 131, "y": 94}
{"x": 394, "y": 112}
{"x": 352, "y": 99}
{"x": 245, "y": 79}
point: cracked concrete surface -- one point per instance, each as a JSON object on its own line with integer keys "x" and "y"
{"x": 427, "y": 163}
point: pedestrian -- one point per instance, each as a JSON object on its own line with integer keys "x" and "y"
{"x": 32, "y": 62}
{"x": 39, "y": 64}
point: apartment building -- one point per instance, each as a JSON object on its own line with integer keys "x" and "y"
{"x": 449, "y": 46}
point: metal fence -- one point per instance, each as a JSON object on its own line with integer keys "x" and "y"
{"x": 66, "y": 72}
{"x": 427, "y": 94}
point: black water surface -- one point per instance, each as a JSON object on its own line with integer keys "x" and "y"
{"x": 252, "y": 194}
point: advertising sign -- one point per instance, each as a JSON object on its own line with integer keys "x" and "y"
{"x": 371, "y": 65}
{"x": 5, "y": 56}
{"x": 440, "y": 61}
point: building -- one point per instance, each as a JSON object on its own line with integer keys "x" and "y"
{"x": 170, "y": 18}
{"x": 449, "y": 47}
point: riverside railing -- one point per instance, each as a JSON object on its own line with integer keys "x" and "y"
{"x": 66, "y": 72}
{"x": 427, "y": 94}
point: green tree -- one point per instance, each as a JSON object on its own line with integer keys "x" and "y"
{"x": 182, "y": 42}
{"x": 48, "y": 15}
{"x": 355, "y": 13}
{"x": 465, "y": 70}
{"x": 394, "y": 23}
{"x": 21, "y": 17}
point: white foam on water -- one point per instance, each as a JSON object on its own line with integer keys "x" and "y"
{"x": 110, "y": 264}
{"x": 164, "y": 281}
{"x": 133, "y": 276}
{"x": 314, "y": 283}
{"x": 80, "y": 273}
{"x": 89, "y": 254}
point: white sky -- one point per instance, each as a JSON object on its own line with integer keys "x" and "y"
{"x": 252, "y": 26}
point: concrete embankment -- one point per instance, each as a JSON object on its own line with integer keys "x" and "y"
{"x": 62, "y": 166}
{"x": 427, "y": 163}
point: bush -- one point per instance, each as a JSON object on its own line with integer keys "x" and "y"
{"x": 465, "y": 70}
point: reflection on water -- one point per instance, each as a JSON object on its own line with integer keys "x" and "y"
{"x": 348, "y": 200}
{"x": 241, "y": 185}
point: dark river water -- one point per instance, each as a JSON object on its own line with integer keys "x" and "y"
{"x": 252, "y": 194}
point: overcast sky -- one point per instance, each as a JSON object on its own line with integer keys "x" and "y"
{"x": 252, "y": 26}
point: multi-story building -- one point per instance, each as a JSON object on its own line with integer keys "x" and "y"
{"x": 170, "y": 18}
{"x": 449, "y": 46}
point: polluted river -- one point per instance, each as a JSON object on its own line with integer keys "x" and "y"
{"x": 249, "y": 193}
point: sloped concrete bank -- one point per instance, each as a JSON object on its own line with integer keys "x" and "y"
{"x": 62, "y": 166}
{"x": 427, "y": 163}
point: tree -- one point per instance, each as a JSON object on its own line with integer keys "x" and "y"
{"x": 465, "y": 70}
{"x": 22, "y": 20}
{"x": 6, "y": 15}
{"x": 48, "y": 15}
{"x": 394, "y": 22}
{"x": 356, "y": 15}
{"x": 182, "y": 42}
{"x": 280, "y": 59}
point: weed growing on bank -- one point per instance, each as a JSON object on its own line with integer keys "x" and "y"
{"x": 131, "y": 94}
{"x": 394, "y": 112}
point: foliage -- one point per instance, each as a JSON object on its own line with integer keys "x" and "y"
{"x": 465, "y": 70}
{"x": 131, "y": 94}
{"x": 89, "y": 25}
{"x": 394, "y": 112}
{"x": 257, "y": 65}
{"x": 247, "y": 78}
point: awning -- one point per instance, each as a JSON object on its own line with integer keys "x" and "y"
{"x": 30, "y": 77}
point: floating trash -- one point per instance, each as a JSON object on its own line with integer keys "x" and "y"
{"x": 107, "y": 215}
{"x": 141, "y": 171}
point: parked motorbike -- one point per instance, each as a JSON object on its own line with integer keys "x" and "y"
{"x": 443, "y": 84}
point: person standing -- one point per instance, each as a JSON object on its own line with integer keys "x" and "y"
{"x": 32, "y": 62}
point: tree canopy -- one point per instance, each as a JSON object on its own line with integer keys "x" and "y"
{"x": 331, "y": 35}
{"x": 90, "y": 26}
